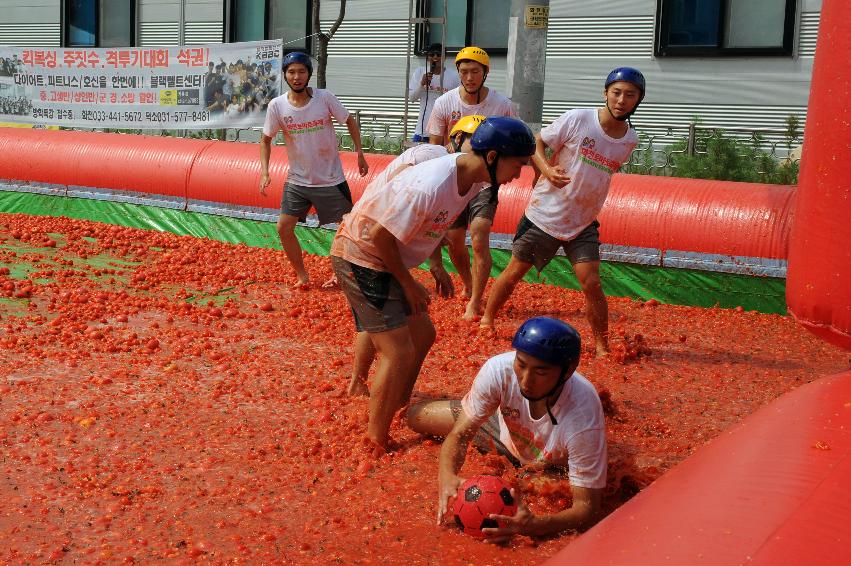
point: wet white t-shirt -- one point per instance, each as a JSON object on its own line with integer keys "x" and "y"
{"x": 590, "y": 158}
{"x": 427, "y": 95}
{"x": 578, "y": 440}
{"x": 449, "y": 108}
{"x": 311, "y": 142}
{"x": 411, "y": 156}
{"x": 416, "y": 206}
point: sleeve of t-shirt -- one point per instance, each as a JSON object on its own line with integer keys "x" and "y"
{"x": 485, "y": 395}
{"x": 336, "y": 108}
{"x": 437, "y": 120}
{"x": 562, "y": 129}
{"x": 588, "y": 458}
{"x": 404, "y": 219}
{"x": 511, "y": 109}
{"x": 272, "y": 124}
{"x": 415, "y": 87}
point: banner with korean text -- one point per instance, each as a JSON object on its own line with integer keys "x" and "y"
{"x": 213, "y": 86}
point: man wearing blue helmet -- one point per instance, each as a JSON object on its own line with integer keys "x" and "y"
{"x": 315, "y": 175}
{"x": 393, "y": 229}
{"x": 534, "y": 408}
{"x": 589, "y": 145}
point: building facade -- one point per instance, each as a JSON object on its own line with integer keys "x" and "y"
{"x": 732, "y": 63}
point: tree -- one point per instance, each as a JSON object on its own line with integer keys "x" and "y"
{"x": 323, "y": 39}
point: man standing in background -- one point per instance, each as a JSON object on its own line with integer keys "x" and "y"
{"x": 425, "y": 87}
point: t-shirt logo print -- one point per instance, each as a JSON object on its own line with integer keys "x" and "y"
{"x": 597, "y": 160}
{"x": 439, "y": 225}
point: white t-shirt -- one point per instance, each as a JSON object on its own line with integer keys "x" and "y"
{"x": 449, "y": 108}
{"x": 427, "y": 96}
{"x": 411, "y": 156}
{"x": 416, "y": 206}
{"x": 311, "y": 142}
{"x": 578, "y": 440}
{"x": 590, "y": 158}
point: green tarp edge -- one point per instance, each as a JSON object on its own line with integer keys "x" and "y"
{"x": 671, "y": 286}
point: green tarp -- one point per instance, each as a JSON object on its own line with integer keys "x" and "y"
{"x": 672, "y": 286}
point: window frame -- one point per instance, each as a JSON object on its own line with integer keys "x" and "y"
{"x": 662, "y": 49}
{"x": 65, "y": 22}
{"x": 421, "y": 34}
{"x": 230, "y": 15}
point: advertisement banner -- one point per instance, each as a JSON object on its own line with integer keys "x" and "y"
{"x": 215, "y": 86}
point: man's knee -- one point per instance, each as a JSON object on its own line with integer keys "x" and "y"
{"x": 287, "y": 222}
{"x": 590, "y": 281}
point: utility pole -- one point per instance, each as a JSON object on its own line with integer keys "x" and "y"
{"x": 527, "y": 56}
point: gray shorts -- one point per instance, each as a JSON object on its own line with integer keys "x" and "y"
{"x": 533, "y": 245}
{"x": 376, "y": 298}
{"x": 331, "y": 203}
{"x": 483, "y": 205}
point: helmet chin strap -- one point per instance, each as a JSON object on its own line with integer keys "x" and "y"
{"x": 561, "y": 381}
{"x": 301, "y": 90}
{"x": 623, "y": 118}
{"x": 492, "y": 168}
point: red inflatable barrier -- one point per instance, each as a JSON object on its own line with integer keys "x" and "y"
{"x": 774, "y": 490}
{"x": 717, "y": 217}
{"x": 740, "y": 219}
{"x": 818, "y": 289}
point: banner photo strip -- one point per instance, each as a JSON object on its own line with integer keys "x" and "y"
{"x": 214, "y": 86}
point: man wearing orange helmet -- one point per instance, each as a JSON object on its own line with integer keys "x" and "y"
{"x": 472, "y": 97}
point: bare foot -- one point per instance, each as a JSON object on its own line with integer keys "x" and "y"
{"x": 374, "y": 449}
{"x": 301, "y": 284}
{"x": 358, "y": 388}
{"x": 331, "y": 283}
{"x": 474, "y": 311}
{"x": 602, "y": 350}
{"x": 486, "y": 328}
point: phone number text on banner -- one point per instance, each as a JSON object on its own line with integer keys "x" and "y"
{"x": 216, "y": 86}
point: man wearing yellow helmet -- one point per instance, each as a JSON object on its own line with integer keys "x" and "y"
{"x": 459, "y": 141}
{"x": 472, "y": 97}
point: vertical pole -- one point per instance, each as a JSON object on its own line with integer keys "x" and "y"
{"x": 691, "y": 135}
{"x": 408, "y": 69}
{"x": 527, "y": 47}
{"x": 181, "y": 32}
{"x": 443, "y": 43}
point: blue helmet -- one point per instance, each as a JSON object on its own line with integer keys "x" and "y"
{"x": 630, "y": 75}
{"x": 297, "y": 57}
{"x": 548, "y": 339}
{"x": 506, "y": 136}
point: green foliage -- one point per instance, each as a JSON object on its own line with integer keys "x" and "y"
{"x": 720, "y": 156}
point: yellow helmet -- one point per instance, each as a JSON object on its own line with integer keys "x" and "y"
{"x": 473, "y": 53}
{"x": 467, "y": 124}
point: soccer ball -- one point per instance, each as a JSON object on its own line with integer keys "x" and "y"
{"x": 479, "y": 497}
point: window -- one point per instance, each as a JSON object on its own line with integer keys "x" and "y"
{"x": 98, "y": 23}
{"x": 483, "y": 23}
{"x": 725, "y": 27}
{"x": 254, "y": 20}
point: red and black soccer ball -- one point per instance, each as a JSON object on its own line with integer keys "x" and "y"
{"x": 477, "y": 499}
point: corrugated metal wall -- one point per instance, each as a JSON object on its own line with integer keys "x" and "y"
{"x": 585, "y": 40}
{"x": 159, "y": 22}
{"x": 29, "y": 23}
